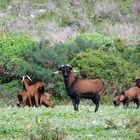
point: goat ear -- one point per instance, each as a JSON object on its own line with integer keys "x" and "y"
{"x": 60, "y": 68}
{"x": 70, "y": 67}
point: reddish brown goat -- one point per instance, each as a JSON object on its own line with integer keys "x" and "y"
{"x": 23, "y": 99}
{"x": 127, "y": 96}
{"x": 79, "y": 88}
{"x": 33, "y": 90}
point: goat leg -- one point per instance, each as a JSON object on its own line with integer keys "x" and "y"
{"x": 137, "y": 102}
{"x": 41, "y": 100}
{"x": 96, "y": 100}
{"x": 36, "y": 99}
{"x": 126, "y": 102}
{"x": 138, "y": 105}
{"x": 29, "y": 96}
{"x": 74, "y": 104}
{"x": 77, "y": 101}
{"x": 96, "y": 108}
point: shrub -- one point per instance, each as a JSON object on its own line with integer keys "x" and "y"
{"x": 135, "y": 55}
{"x": 12, "y": 49}
{"x": 9, "y": 91}
{"x": 115, "y": 71}
{"x": 95, "y": 41}
{"x": 38, "y": 60}
{"x": 13, "y": 46}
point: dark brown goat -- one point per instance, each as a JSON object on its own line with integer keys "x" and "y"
{"x": 80, "y": 88}
{"x": 33, "y": 90}
{"x": 127, "y": 96}
{"x": 23, "y": 99}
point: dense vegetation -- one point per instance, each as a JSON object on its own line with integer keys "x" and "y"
{"x": 94, "y": 55}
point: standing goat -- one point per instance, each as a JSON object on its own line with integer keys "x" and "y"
{"x": 33, "y": 90}
{"x": 80, "y": 88}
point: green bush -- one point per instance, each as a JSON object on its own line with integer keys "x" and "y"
{"x": 14, "y": 46}
{"x": 115, "y": 71}
{"x": 105, "y": 59}
{"x": 12, "y": 49}
{"x": 33, "y": 59}
{"x": 9, "y": 91}
{"x": 96, "y": 41}
{"x": 135, "y": 55}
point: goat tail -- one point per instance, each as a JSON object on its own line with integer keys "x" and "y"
{"x": 41, "y": 90}
{"x": 103, "y": 88}
{"x": 20, "y": 98}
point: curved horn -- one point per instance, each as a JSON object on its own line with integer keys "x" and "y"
{"x": 60, "y": 66}
{"x": 56, "y": 72}
{"x": 23, "y": 78}
{"x": 29, "y": 78}
{"x": 69, "y": 65}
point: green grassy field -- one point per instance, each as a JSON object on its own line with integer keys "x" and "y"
{"x": 62, "y": 122}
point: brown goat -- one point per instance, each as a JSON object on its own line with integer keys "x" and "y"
{"x": 33, "y": 90}
{"x": 23, "y": 99}
{"x": 127, "y": 96}
{"x": 80, "y": 88}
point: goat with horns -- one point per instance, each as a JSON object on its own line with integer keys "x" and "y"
{"x": 81, "y": 88}
{"x": 34, "y": 90}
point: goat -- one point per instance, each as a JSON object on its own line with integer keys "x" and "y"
{"x": 127, "y": 96}
{"x": 78, "y": 88}
{"x": 23, "y": 99}
{"x": 45, "y": 99}
{"x": 33, "y": 90}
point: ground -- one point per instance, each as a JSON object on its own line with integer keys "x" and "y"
{"x": 62, "y": 122}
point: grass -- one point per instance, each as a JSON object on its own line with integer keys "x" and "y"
{"x": 62, "y": 122}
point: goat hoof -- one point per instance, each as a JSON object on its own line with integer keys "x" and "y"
{"x": 76, "y": 109}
